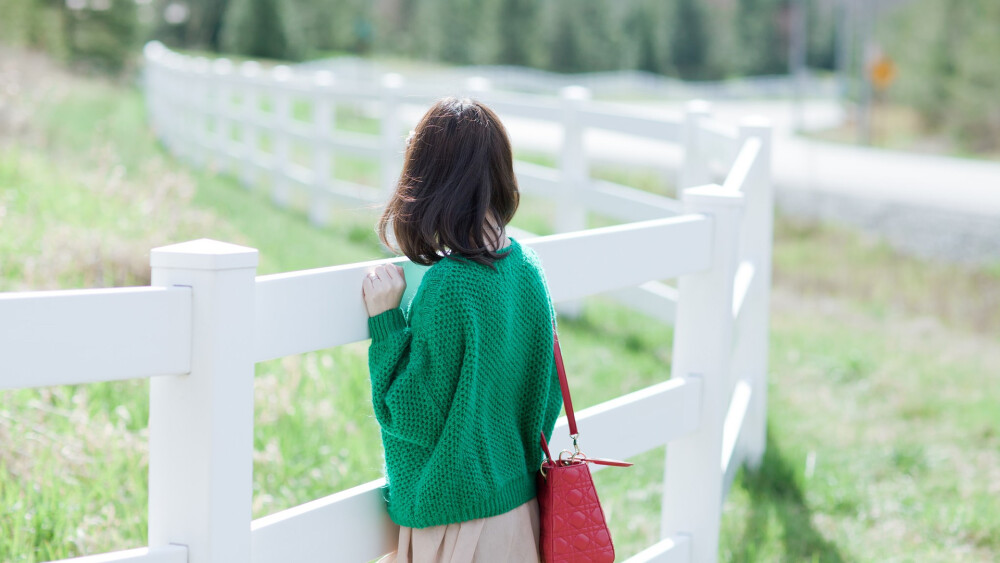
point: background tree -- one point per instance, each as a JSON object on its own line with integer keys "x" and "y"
{"x": 515, "y": 33}
{"x": 689, "y": 40}
{"x": 581, "y": 37}
{"x": 564, "y": 52}
{"x": 954, "y": 78}
{"x": 330, "y": 26}
{"x": 201, "y": 28}
{"x": 38, "y": 24}
{"x": 101, "y": 35}
{"x": 822, "y": 19}
{"x": 645, "y": 42}
{"x": 256, "y": 28}
{"x": 761, "y": 47}
{"x": 448, "y": 31}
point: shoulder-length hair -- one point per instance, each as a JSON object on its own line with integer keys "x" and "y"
{"x": 457, "y": 183}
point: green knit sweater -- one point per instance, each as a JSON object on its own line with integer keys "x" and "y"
{"x": 462, "y": 386}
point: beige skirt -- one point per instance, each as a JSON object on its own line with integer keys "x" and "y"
{"x": 511, "y": 536}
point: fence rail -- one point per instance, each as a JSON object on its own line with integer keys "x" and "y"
{"x": 609, "y": 83}
{"x": 100, "y": 335}
{"x": 164, "y": 554}
{"x": 207, "y": 319}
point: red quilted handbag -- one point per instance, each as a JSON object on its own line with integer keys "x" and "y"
{"x": 573, "y": 529}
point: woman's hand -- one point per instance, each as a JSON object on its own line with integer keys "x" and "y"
{"x": 383, "y": 288}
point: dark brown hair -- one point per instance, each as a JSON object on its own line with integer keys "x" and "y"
{"x": 458, "y": 172}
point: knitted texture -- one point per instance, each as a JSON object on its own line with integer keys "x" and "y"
{"x": 462, "y": 385}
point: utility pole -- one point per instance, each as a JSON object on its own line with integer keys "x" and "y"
{"x": 869, "y": 9}
{"x": 845, "y": 32}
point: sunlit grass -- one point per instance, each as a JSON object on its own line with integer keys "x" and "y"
{"x": 898, "y": 127}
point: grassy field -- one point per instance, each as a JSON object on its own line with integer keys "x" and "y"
{"x": 883, "y": 419}
{"x": 899, "y": 127}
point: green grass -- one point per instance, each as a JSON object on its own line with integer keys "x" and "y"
{"x": 899, "y": 127}
{"x": 882, "y": 367}
{"x": 900, "y": 424}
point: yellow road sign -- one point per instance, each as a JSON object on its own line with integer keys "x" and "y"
{"x": 882, "y": 72}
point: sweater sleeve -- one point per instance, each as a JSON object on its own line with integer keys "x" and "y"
{"x": 403, "y": 355}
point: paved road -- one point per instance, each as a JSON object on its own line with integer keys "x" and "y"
{"x": 800, "y": 164}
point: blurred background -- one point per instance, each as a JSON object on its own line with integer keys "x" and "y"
{"x": 934, "y": 53}
{"x": 884, "y": 408}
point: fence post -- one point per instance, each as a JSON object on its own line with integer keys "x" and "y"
{"x": 249, "y": 71}
{"x": 694, "y": 168}
{"x": 703, "y": 337}
{"x": 478, "y": 86}
{"x": 172, "y": 95}
{"x": 201, "y": 424}
{"x": 574, "y": 172}
{"x": 152, "y": 83}
{"x": 574, "y": 175}
{"x": 319, "y": 203}
{"x": 181, "y": 68}
{"x": 201, "y": 106}
{"x": 757, "y": 241}
{"x": 172, "y": 128}
{"x": 392, "y": 157}
{"x": 186, "y": 117}
{"x": 281, "y": 76}
{"x": 221, "y": 71}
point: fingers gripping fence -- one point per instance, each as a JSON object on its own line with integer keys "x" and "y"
{"x": 207, "y": 318}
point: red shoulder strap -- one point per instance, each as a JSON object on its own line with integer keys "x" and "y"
{"x": 564, "y": 384}
{"x": 568, "y": 404}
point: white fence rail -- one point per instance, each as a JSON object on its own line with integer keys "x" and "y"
{"x": 610, "y": 83}
{"x": 165, "y": 554}
{"x": 207, "y": 319}
{"x": 147, "y": 329}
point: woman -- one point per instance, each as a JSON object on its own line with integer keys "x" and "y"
{"x": 465, "y": 381}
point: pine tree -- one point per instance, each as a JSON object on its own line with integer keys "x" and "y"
{"x": 255, "y": 28}
{"x": 515, "y": 32}
{"x": 581, "y": 38}
{"x": 564, "y": 51}
{"x": 822, "y": 35}
{"x": 954, "y": 79}
{"x": 760, "y": 45}
{"x": 689, "y": 41}
{"x": 102, "y": 38}
{"x": 645, "y": 24}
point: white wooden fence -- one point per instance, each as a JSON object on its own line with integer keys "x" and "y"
{"x": 207, "y": 318}
{"x": 614, "y": 83}
{"x": 210, "y": 113}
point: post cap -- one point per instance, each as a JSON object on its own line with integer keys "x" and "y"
{"x": 578, "y": 93}
{"x": 392, "y": 80}
{"x": 153, "y": 49}
{"x": 204, "y": 254}
{"x": 222, "y": 66}
{"x": 173, "y": 60}
{"x": 699, "y": 107}
{"x": 712, "y": 195}
{"x": 282, "y": 73}
{"x": 250, "y": 68}
{"x": 477, "y": 84}
{"x": 201, "y": 65}
{"x": 323, "y": 78}
{"x": 755, "y": 122}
